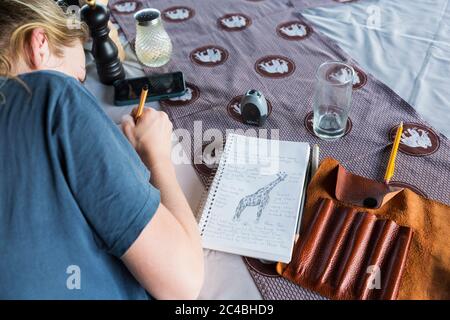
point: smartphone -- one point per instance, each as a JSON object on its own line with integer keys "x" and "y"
{"x": 160, "y": 87}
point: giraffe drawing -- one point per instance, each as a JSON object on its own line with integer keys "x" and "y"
{"x": 260, "y": 198}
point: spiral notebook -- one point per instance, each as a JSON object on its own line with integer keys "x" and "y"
{"x": 252, "y": 207}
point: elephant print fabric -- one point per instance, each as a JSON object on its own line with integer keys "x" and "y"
{"x": 342, "y": 75}
{"x": 360, "y": 78}
{"x": 294, "y": 30}
{"x": 234, "y": 22}
{"x": 275, "y": 67}
{"x": 126, "y": 7}
{"x": 226, "y": 48}
{"x": 209, "y": 56}
{"x": 417, "y": 139}
{"x": 190, "y": 96}
{"x": 178, "y": 14}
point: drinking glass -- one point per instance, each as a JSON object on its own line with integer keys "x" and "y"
{"x": 153, "y": 44}
{"x": 332, "y": 100}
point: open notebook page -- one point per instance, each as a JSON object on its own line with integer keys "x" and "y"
{"x": 253, "y": 204}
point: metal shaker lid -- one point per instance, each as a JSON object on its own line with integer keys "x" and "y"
{"x": 146, "y": 17}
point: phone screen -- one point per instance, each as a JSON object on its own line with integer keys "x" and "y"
{"x": 160, "y": 87}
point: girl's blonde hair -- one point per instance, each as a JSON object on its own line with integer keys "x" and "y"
{"x": 18, "y": 18}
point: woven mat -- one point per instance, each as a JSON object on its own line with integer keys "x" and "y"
{"x": 274, "y": 34}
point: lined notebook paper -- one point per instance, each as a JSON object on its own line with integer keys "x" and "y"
{"x": 252, "y": 207}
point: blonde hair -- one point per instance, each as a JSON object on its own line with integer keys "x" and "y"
{"x": 18, "y": 19}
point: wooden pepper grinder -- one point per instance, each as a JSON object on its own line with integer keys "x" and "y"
{"x": 105, "y": 52}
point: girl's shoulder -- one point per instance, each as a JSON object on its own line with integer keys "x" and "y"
{"x": 48, "y": 91}
{"x": 56, "y": 83}
{"x": 43, "y": 77}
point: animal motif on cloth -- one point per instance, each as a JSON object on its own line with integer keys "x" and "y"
{"x": 260, "y": 198}
{"x": 294, "y": 30}
{"x": 343, "y": 75}
{"x": 237, "y": 107}
{"x": 209, "y": 55}
{"x": 275, "y": 66}
{"x": 124, "y": 7}
{"x": 234, "y": 22}
{"x": 416, "y": 138}
{"x": 186, "y": 97}
{"x": 178, "y": 14}
{"x": 356, "y": 79}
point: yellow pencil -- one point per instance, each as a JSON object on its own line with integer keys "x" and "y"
{"x": 141, "y": 103}
{"x": 391, "y": 165}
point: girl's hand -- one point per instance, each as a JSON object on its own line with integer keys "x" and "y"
{"x": 151, "y": 136}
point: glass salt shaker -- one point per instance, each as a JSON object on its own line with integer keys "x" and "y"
{"x": 153, "y": 44}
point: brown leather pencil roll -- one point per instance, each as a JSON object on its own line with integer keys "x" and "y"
{"x": 348, "y": 254}
{"x": 354, "y": 227}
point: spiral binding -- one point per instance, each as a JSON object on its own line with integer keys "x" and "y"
{"x": 207, "y": 199}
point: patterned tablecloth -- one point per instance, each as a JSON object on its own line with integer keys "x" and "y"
{"x": 227, "y": 47}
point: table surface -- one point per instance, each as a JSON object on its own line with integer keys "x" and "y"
{"x": 403, "y": 43}
{"x": 383, "y": 51}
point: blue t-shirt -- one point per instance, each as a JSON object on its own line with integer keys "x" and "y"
{"x": 74, "y": 195}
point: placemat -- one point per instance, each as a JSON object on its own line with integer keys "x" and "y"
{"x": 276, "y": 51}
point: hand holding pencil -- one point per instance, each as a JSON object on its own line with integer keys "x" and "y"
{"x": 149, "y": 132}
{"x": 140, "y": 109}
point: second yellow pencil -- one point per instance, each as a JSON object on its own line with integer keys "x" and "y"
{"x": 391, "y": 164}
